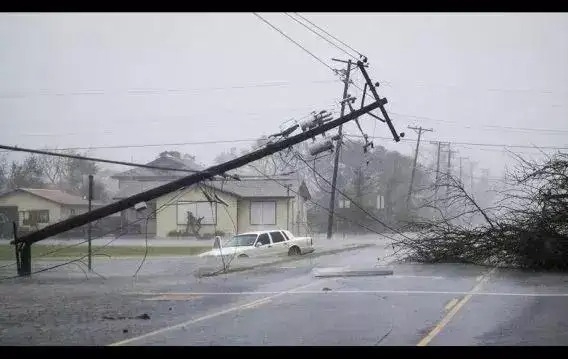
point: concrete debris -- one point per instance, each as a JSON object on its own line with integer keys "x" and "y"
{"x": 344, "y": 272}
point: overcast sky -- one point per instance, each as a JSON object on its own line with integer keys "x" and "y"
{"x": 91, "y": 80}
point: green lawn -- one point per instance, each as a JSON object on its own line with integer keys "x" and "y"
{"x": 63, "y": 251}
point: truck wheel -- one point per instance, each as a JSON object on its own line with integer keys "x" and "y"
{"x": 294, "y": 251}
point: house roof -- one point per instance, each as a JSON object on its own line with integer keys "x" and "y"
{"x": 245, "y": 188}
{"x": 56, "y": 196}
{"x": 258, "y": 188}
{"x": 162, "y": 161}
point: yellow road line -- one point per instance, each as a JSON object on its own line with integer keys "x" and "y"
{"x": 210, "y": 316}
{"x": 451, "y": 304}
{"x": 440, "y": 326}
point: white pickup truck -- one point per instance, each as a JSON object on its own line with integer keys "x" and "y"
{"x": 263, "y": 243}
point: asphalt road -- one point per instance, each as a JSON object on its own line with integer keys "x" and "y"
{"x": 286, "y": 305}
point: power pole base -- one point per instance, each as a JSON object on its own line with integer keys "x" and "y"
{"x": 25, "y": 263}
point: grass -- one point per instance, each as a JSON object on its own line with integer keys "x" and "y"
{"x": 63, "y": 251}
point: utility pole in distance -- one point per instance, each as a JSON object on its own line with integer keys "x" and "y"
{"x": 419, "y": 130}
{"x": 439, "y": 146}
{"x": 89, "y": 228}
{"x": 338, "y": 148}
{"x": 462, "y": 158}
{"x": 449, "y": 167}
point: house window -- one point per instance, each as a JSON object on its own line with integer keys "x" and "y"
{"x": 344, "y": 204}
{"x": 33, "y": 217}
{"x": 263, "y": 212}
{"x": 206, "y": 210}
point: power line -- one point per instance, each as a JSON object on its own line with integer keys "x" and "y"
{"x": 180, "y": 193}
{"x": 358, "y": 53}
{"x": 319, "y": 205}
{"x": 292, "y": 40}
{"x": 326, "y": 39}
{"x": 477, "y": 144}
{"x": 20, "y": 94}
{"x": 514, "y": 128}
{"x": 422, "y": 84}
{"x": 79, "y": 157}
{"x": 157, "y": 144}
{"x": 354, "y": 202}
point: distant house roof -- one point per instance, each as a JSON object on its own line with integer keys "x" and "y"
{"x": 162, "y": 161}
{"x": 259, "y": 187}
{"x": 245, "y": 188}
{"x": 56, "y": 196}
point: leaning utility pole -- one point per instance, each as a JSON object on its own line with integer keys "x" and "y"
{"x": 25, "y": 242}
{"x": 419, "y": 130}
{"x": 337, "y": 151}
{"x": 316, "y": 128}
{"x": 89, "y": 227}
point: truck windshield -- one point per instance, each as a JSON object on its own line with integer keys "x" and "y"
{"x": 242, "y": 240}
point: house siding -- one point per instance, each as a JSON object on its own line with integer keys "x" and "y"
{"x": 282, "y": 215}
{"x": 25, "y": 202}
{"x": 166, "y": 218}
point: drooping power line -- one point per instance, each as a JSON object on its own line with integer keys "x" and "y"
{"x": 335, "y": 38}
{"x": 79, "y": 157}
{"x": 295, "y": 42}
{"x": 323, "y": 37}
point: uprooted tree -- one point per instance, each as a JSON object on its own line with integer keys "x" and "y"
{"x": 526, "y": 226}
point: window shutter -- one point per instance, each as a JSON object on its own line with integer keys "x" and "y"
{"x": 269, "y": 213}
{"x": 255, "y": 213}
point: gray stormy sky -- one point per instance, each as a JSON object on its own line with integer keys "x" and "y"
{"x": 70, "y": 80}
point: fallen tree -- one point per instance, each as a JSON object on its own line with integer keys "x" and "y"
{"x": 527, "y": 225}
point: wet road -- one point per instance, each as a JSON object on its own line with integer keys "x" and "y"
{"x": 286, "y": 305}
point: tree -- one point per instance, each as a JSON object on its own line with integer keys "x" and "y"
{"x": 66, "y": 174}
{"x": 4, "y": 172}
{"x": 30, "y": 173}
{"x": 226, "y": 156}
{"x": 527, "y": 226}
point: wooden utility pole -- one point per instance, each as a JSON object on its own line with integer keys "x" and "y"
{"x": 26, "y": 241}
{"x": 337, "y": 151}
{"x": 462, "y": 158}
{"x": 439, "y": 146}
{"x": 449, "y": 169}
{"x": 419, "y": 130}
{"x": 472, "y": 165}
{"x": 89, "y": 225}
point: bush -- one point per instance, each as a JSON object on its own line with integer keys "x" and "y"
{"x": 177, "y": 233}
{"x": 206, "y": 236}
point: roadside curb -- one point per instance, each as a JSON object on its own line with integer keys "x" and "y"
{"x": 283, "y": 261}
